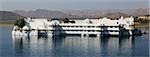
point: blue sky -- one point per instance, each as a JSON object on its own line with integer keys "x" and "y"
{"x": 71, "y": 4}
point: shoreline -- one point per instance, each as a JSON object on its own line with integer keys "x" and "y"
{"x": 6, "y": 24}
{"x": 138, "y": 25}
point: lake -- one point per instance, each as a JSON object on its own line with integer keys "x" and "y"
{"x": 72, "y": 46}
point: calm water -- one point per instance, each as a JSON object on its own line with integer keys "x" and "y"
{"x": 71, "y": 46}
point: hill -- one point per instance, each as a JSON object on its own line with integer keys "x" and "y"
{"x": 43, "y": 13}
{"x": 6, "y": 15}
{"x": 109, "y": 13}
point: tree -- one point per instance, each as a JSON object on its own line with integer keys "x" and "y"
{"x": 20, "y": 23}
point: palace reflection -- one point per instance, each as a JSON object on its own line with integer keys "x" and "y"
{"x": 71, "y": 45}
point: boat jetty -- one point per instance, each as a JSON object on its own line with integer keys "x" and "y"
{"x": 74, "y": 26}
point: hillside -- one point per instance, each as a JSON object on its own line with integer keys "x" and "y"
{"x": 43, "y": 13}
{"x": 6, "y": 15}
{"x": 109, "y": 13}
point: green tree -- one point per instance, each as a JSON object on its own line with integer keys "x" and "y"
{"x": 20, "y": 22}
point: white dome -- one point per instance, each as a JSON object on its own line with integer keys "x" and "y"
{"x": 25, "y": 28}
{"x": 15, "y": 28}
{"x": 55, "y": 22}
{"x": 18, "y": 33}
{"x": 87, "y": 21}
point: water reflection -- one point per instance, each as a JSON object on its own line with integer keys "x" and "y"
{"x": 72, "y": 46}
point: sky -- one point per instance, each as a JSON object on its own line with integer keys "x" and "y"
{"x": 72, "y": 4}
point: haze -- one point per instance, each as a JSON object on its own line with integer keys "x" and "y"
{"x": 72, "y": 4}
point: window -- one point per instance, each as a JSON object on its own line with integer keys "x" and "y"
{"x": 92, "y": 30}
{"x": 77, "y": 26}
{"x": 111, "y": 26}
{"x": 88, "y": 30}
{"x": 80, "y": 30}
{"x": 81, "y": 26}
{"x": 116, "y": 31}
{"x": 117, "y": 22}
{"x": 111, "y": 30}
{"x": 98, "y": 30}
{"x": 64, "y": 26}
{"x": 92, "y": 26}
{"x": 116, "y": 26}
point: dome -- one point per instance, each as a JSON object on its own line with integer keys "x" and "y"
{"x": 87, "y": 21}
{"x": 15, "y": 28}
{"x": 25, "y": 28}
{"x": 55, "y": 22}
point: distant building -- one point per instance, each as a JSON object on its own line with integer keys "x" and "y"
{"x": 144, "y": 17}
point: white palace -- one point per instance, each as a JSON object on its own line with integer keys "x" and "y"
{"x": 83, "y": 27}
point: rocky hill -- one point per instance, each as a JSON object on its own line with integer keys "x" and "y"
{"x": 43, "y": 13}
{"x": 109, "y": 13}
{"x": 6, "y": 15}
